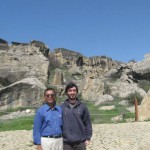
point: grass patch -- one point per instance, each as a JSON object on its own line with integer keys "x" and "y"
{"x": 2, "y": 113}
{"x": 21, "y": 123}
{"x": 104, "y": 116}
{"x": 97, "y": 116}
{"x": 10, "y": 110}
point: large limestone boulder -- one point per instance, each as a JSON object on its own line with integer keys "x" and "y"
{"x": 141, "y": 69}
{"x": 23, "y": 75}
{"x": 123, "y": 72}
{"x": 26, "y": 92}
{"x": 91, "y": 89}
{"x": 103, "y": 98}
{"x": 22, "y": 62}
{"x": 123, "y": 89}
{"x": 121, "y": 81}
{"x": 144, "y": 108}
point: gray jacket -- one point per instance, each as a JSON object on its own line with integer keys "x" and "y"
{"x": 77, "y": 125}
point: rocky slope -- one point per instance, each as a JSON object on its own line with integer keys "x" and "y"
{"x": 27, "y": 68}
{"x": 23, "y": 73}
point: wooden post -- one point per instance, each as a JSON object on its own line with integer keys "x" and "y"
{"x": 136, "y": 109}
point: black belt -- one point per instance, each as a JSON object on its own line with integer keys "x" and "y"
{"x": 53, "y": 136}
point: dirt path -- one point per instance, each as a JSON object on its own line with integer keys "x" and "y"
{"x": 125, "y": 136}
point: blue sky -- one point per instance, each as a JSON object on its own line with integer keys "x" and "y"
{"x": 119, "y": 29}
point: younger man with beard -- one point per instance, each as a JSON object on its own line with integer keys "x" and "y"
{"x": 77, "y": 127}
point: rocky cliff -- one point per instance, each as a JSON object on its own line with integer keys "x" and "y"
{"x": 72, "y": 58}
{"x": 19, "y": 62}
{"x": 25, "y": 71}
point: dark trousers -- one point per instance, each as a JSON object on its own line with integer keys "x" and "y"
{"x": 80, "y": 146}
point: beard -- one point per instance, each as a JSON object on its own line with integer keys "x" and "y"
{"x": 72, "y": 97}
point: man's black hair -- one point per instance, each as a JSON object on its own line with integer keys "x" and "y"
{"x": 50, "y": 89}
{"x": 71, "y": 85}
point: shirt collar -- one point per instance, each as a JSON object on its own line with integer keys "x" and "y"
{"x": 48, "y": 107}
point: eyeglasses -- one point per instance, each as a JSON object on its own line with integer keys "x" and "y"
{"x": 50, "y": 95}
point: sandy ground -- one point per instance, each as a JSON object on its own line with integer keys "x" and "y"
{"x": 125, "y": 136}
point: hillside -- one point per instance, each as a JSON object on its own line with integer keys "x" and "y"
{"x": 26, "y": 69}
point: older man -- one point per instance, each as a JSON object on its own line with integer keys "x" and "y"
{"x": 47, "y": 131}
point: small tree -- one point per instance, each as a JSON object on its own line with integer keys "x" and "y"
{"x": 131, "y": 97}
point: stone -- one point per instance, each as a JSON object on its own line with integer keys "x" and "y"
{"x": 117, "y": 118}
{"x": 42, "y": 47}
{"x": 4, "y": 44}
{"x": 58, "y": 77}
{"x": 26, "y": 92}
{"x": 124, "y": 103}
{"x": 144, "y": 108}
{"x": 28, "y": 111}
{"x": 18, "y": 63}
{"x": 141, "y": 69}
{"x": 107, "y": 107}
{"x": 123, "y": 89}
{"x": 91, "y": 89}
{"x": 103, "y": 98}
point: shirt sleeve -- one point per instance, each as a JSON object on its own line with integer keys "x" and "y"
{"x": 37, "y": 126}
{"x": 87, "y": 123}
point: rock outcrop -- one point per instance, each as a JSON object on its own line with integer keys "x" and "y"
{"x": 42, "y": 47}
{"x": 26, "y": 92}
{"x": 4, "y": 45}
{"x": 91, "y": 89}
{"x": 20, "y": 63}
{"x": 141, "y": 69}
{"x": 58, "y": 77}
{"x": 123, "y": 89}
{"x": 72, "y": 58}
{"x": 67, "y": 57}
{"x": 99, "y": 78}
{"x": 144, "y": 108}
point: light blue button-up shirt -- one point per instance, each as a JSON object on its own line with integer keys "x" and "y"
{"x": 47, "y": 122}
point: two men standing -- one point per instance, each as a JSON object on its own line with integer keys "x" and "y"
{"x": 76, "y": 124}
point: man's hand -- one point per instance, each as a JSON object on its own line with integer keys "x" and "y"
{"x": 39, "y": 147}
{"x": 87, "y": 142}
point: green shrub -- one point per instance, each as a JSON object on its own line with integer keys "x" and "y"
{"x": 131, "y": 97}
